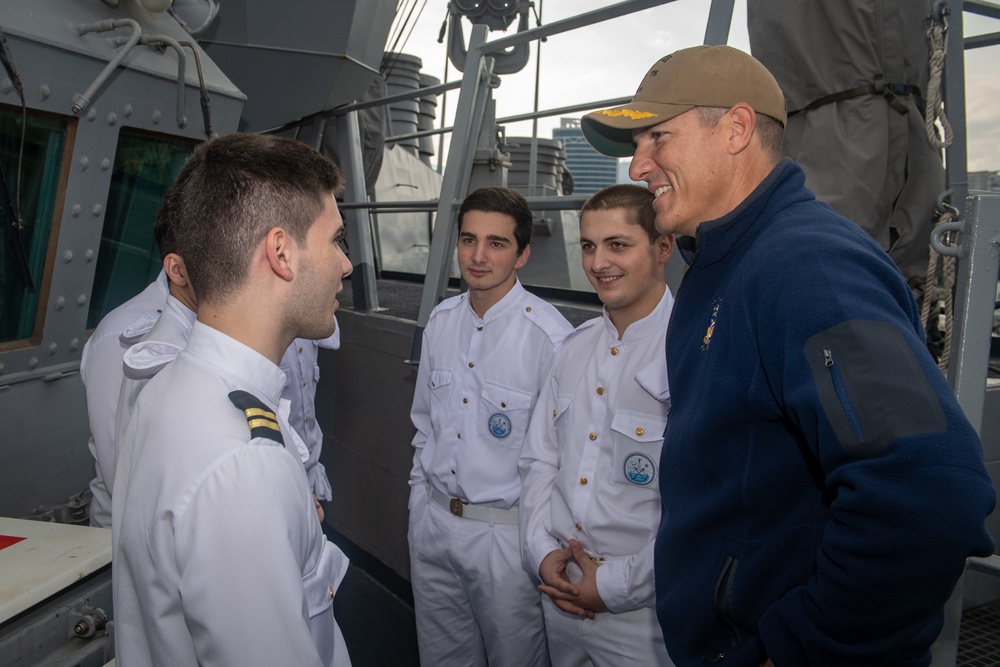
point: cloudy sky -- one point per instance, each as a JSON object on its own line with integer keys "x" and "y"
{"x": 608, "y": 61}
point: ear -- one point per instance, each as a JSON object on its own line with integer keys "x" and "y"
{"x": 742, "y": 124}
{"x": 173, "y": 266}
{"x": 522, "y": 259}
{"x": 664, "y": 248}
{"x": 279, "y": 249}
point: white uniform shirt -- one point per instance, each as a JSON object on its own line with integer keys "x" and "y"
{"x": 101, "y": 372}
{"x": 590, "y": 461}
{"x": 219, "y": 558}
{"x": 302, "y": 370}
{"x": 477, "y": 383}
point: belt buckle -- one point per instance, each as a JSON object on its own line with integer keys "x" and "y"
{"x": 455, "y": 505}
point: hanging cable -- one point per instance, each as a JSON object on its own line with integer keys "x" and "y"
{"x": 413, "y": 25}
{"x": 388, "y": 61}
{"x": 12, "y": 206}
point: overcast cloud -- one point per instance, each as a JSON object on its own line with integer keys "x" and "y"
{"x": 608, "y": 61}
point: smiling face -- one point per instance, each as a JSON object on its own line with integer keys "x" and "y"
{"x": 488, "y": 257}
{"x": 624, "y": 266}
{"x": 322, "y": 268}
{"x": 685, "y": 165}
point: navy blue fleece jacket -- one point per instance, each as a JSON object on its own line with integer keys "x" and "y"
{"x": 821, "y": 486}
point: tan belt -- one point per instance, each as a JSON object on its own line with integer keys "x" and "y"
{"x": 459, "y": 507}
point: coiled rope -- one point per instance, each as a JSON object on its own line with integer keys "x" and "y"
{"x": 937, "y": 31}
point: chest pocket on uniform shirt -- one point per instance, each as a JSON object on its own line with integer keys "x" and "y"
{"x": 503, "y": 415}
{"x": 439, "y": 386}
{"x": 638, "y": 440}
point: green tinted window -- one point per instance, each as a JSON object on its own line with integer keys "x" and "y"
{"x": 28, "y": 189}
{"x": 128, "y": 260}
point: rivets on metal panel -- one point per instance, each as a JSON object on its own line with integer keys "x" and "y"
{"x": 157, "y": 117}
{"x": 81, "y": 300}
{"x": 74, "y": 345}
{"x": 6, "y": 86}
{"x": 84, "y": 163}
{"x": 92, "y": 114}
{"x": 127, "y": 112}
{"x": 68, "y": 256}
{"x": 75, "y": 210}
{"x": 60, "y": 303}
{"x": 33, "y": 362}
{"x": 52, "y": 348}
{"x": 112, "y": 118}
{"x": 97, "y": 210}
{"x": 89, "y": 255}
{"x": 44, "y": 92}
{"x": 105, "y": 164}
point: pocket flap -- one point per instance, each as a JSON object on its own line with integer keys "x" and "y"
{"x": 506, "y": 398}
{"x": 438, "y": 378}
{"x": 563, "y": 403}
{"x": 638, "y": 426}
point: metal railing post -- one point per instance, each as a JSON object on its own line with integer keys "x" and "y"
{"x": 358, "y": 223}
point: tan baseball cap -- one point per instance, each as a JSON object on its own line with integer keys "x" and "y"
{"x": 701, "y": 76}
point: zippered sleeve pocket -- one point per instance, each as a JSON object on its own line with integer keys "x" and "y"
{"x": 871, "y": 386}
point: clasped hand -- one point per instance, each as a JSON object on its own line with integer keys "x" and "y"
{"x": 580, "y": 598}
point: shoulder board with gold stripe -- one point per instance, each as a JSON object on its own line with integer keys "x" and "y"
{"x": 261, "y": 419}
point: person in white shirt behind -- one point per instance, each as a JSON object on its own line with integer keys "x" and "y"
{"x": 101, "y": 372}
{"x": 218, "y": 555}
{"x": 484, "y": 356}
{"x": 590, "y": 502}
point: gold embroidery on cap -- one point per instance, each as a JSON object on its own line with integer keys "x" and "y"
{"x": 634, "y": 115}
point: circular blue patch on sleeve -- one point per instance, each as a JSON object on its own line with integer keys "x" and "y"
{"x": 639, "y": 469}
{"x": 499, "y": 425}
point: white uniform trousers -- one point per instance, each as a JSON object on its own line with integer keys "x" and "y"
{"x": 475, "y": 604}
{"x": 609, "y": 640}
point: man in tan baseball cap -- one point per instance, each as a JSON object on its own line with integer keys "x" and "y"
{"x": 702, "y": 76}
{"x": 708, "y": 81}
{"x": 821, "y": 487}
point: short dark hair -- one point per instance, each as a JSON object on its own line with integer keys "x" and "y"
{"x": 230, "y": 192}
{"x": 769, "y": 130}
{"x": 163, "y": 232}
{"x": 629, "y": 197}
{"x": 506, "y": 201}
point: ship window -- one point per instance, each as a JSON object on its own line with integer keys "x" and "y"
{"x": 30, "y": 185}
{"x": 145, "y": 166}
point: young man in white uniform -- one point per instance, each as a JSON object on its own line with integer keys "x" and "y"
{"x": 590, "y": 502}
{"x": 219, "y": 558}
{"x": 161, "y": 344}
{"x": 484, "y": 356}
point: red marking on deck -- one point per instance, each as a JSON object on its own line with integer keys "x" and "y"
{"x": 8, "y": 540}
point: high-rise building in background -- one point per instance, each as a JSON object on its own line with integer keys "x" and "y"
{"x": 623, "y": 177}
{"x": 590, "y": 170}
{"x": 984, "y": 180}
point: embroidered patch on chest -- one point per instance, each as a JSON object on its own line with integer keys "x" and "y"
{"x": 639, "y": 469}
{"x": 707, "y": 339}
{"x": 499, "y": 425}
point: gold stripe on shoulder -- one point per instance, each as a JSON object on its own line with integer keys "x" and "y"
{"x": 263, "y": 423}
